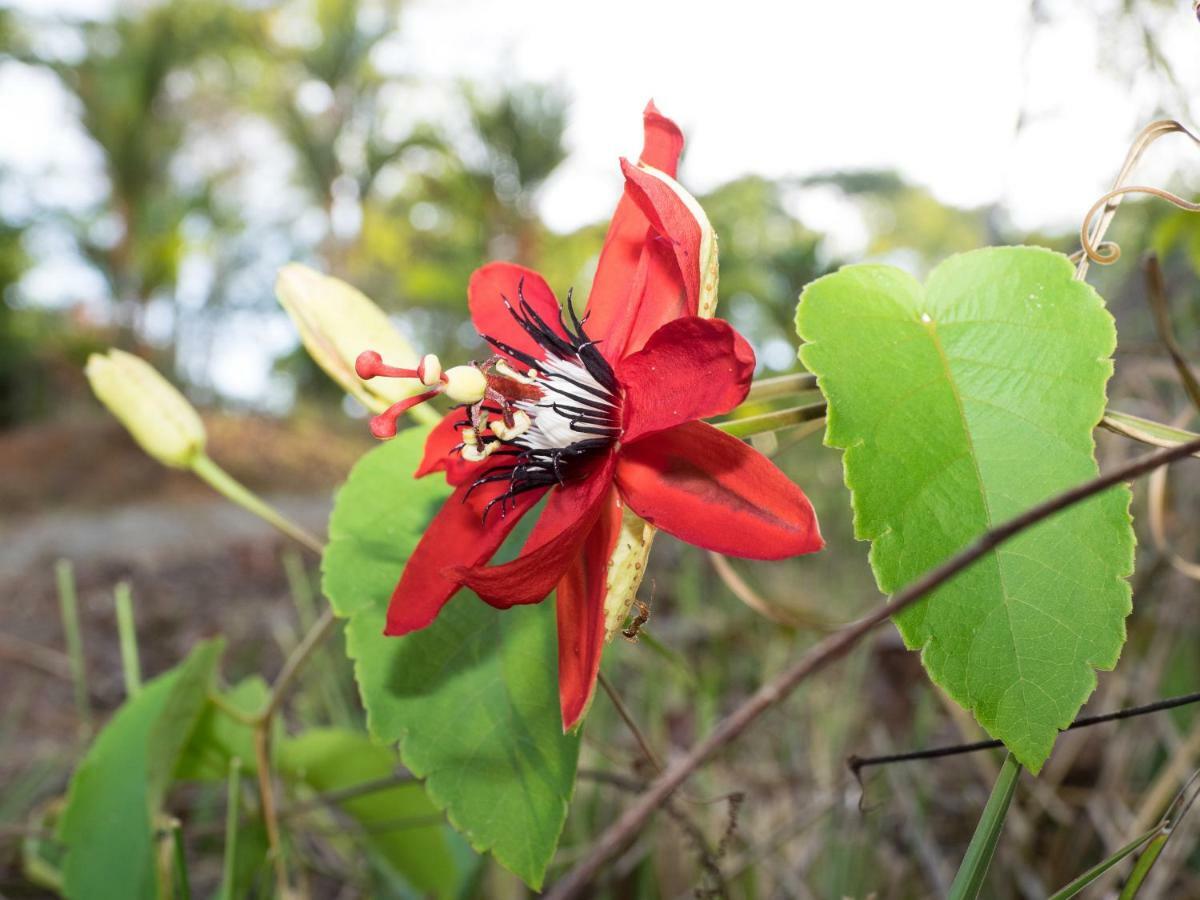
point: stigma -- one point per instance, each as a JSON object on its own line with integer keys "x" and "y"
{"x": 530, "y": 421}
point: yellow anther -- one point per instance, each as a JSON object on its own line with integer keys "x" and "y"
{"x": 521, "y": 424}
{"x": 430, "y": 369}
{"x": 509, "y": 372}
{"x": 477, "y": 452}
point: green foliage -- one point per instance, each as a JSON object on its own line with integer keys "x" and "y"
{"x": 767, "y": 256}
{"x": 122, "y": 85}
{"x": 399, "y": 823}
{"x": 110, "y": 821}
{"x": 472, "y": 700}
{"x": 960, "y": 405}
{"x": 219, "y": 738}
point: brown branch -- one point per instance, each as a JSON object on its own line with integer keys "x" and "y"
{"x": 832, "y": 648}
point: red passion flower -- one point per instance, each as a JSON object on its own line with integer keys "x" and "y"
{"x": 600, "y": 412}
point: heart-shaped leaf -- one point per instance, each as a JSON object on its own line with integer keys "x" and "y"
{"x": 472, "y": 700}
{"x": 961, "y": 404}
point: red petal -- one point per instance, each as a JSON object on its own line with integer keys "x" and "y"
{"x": 711, "y": 490}
{"x": 489, "y": 286}
{"x": 671, "y": 221}
{"x": 457, "y": 536}
{"x": 689, "y": 369}
{"x": 438, "y": 457}
{"x": 663, "y": 141}
{"x": 622, "y": 273}
{"x": 580, "y": 608}
{"x": 553, "y": 543}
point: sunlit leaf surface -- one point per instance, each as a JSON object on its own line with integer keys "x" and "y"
{"x": 473, "y": 699}
{"x": 960, "y": 404}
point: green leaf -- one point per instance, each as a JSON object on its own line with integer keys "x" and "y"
{"x": 108, "y": 825}
{"x": 472, "y": 700}
{"x": 218, "y": 737}
{"x": 399, "y": 822}
{"x": 959, "y": 405}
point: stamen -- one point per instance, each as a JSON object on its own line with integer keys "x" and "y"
{"x": 508, "y": 371}
{"x": 430, "y": 370}
{"x": 521, "y": 423}
{"x": 474, "y": 452}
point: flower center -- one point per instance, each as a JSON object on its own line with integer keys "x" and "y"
{"x": 541, "y": 423}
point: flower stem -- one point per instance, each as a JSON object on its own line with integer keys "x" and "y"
{"x": 127, "y": 635}
{"x": 773, "y": 421}
{"x": 781, "y": 386}
{"x": 973, "y": 870}
{"x": 68, "y": 604}
{"x": 223, "y": 483}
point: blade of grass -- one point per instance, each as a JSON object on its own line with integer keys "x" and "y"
{"x": 233, "y": 798}
{"x": 183, "y": 884}
{"x": 1179, "y": 808}
{"x": 973, "y": 870}
{"x": 1070, "y": 890}
{"x": 1142, "y": 867}
{"x": 68, "y": 606}
{"x": 127, "y": 635}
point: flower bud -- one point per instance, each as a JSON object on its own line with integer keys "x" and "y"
{"x": 156, "y": 414}
{"x": 336, "y": 323}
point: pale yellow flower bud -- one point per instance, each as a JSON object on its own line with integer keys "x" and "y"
{"x": 156, "y": 414}
{"x": 336, "y": 323}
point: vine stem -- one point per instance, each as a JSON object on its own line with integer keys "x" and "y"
{"x": 781, "y": 386}
{"x": 270, "y": 814}
{"x": 857, "y": 763}
{"x": 832, "y": 648}
{"x": 773, "y": 421}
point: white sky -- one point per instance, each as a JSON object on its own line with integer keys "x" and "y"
{"x": 931, "y": 88}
